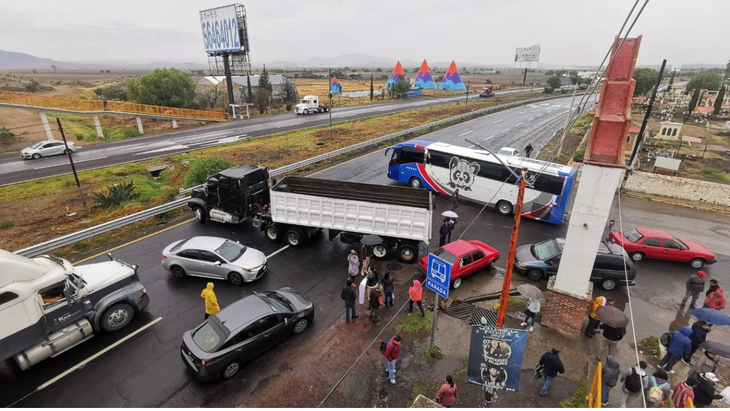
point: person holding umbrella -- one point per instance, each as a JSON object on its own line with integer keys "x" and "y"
{"x": 443, "y": 232}
{"x": 613, "y": 323}
{"x": 698, "y": 335}
{"x": 707, "y": 362}
{"x": 533, "y": 295}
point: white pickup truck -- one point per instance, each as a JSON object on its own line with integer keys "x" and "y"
{"x": 310, "y": 104}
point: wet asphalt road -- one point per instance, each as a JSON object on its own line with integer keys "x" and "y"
{"x": 13, "y": 169}
{"x": 147, "y": 370}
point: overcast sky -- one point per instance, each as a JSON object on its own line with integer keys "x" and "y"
{"x": 478, "y": 31}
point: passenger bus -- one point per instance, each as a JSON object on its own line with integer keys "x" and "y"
{"x": 480, "y": 177}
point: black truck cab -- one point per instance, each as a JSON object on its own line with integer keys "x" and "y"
{"x": 233, "y": 195}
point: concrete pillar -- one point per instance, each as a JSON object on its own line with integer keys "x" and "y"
{"x": 99, "y": 133}
{"x": 139, "y": 125}
{"x": 46, "y": 125}
{"x": 174, "y": 123}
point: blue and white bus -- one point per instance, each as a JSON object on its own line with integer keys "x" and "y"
{"x": 479, "y": 176}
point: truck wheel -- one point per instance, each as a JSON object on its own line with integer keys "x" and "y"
{"x": 117, "y": 317}
{"x": 295, "y": 238}
{"x": 407, "y": 253}
{"x": 504, "y": 208}
{"x": 200, "y": 214}
{"x": 305, "y": 111}
{"x": 273, "y": 233}
{"x": 381, "y": 251}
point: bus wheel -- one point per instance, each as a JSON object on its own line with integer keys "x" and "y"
{"x": 415, "y": 182}
{"x": 504, "y": 208}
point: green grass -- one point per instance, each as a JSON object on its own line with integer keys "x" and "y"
{"x": 578, "y": 400}
{"x": 582, "y": 123}
{"x": 715, "y": 174}
{"x": 432, "y": 359}
{"x": 6, "y": 224}
{"x": 415, "y": 322}
{"x": 650, "y": 345}
{"x": 420, "y": 387}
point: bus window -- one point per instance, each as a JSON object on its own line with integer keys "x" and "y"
{"x": 549, "y": 184}
{"x": 437, "y": 159}
{"x": 395, "y": 158}
{"x": 411, "y": 155}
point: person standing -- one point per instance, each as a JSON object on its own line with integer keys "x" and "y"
{"x": 716, "y": 300}
{"x": 455, "y": 200}
{"x": 392, "y": 352}
{"x": 353, "y": 263}
{"x": 552, "y": 366}
{"x": 349, "y": 294}
{"x": 713, "y": 286}
{"x": 706, "y": 363}
{"x": 388, "y": 281}
{"x": 446, "y": 396}
{"x": 365, "y": 257}
{"x": 528, "y": 150}
{"x": 443, "y": 232}
{"x": 705, "y": 390}
{"x": 415, "y": 295}
{"x": 533, "y": 307}
{"x": 658, "y": 390}
{"x": 609, "y": 378}
{"x": 211, "y": 301}
{"x": 593, "y": 321}
{"x": 697, "y": 335}
{"x": 634, "y": 380}
{"x": 694, "y": 286}
{"x": 372, "y": 281}
{"x": 452, "y": 224}
{"x": 683, "y": 391}
{"x": 376, "y": 301}
{"x": 679, "y": 347}
{"x": 607, "y": 342}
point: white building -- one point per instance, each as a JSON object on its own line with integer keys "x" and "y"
{"x": 669, "y": 131}
{"x": 240, "y": 84}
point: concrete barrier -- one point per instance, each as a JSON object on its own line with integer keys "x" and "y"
{"x": 679, "y": 188}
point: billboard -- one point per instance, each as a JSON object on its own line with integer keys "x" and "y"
{"x": 527, "y": 57}
{"x": 221, "y": 30}
{"x": 495, "y": 357}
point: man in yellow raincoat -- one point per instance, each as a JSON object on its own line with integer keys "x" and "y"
{"x": 211, "y": 301}
{"x": 593, "y": 321}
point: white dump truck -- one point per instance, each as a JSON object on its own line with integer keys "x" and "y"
{"x": 48, "y": 306}
{"x": 310, "y": 104}
{"x": 296, "y": 208}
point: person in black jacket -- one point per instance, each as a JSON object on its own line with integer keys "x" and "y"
{"x": 606, "y": 344}
{"x": 349, "y": 294}
{"x": 388, "y": 281}
{"x": 552, "y": 367}
{"x": 443, "y": 232}
{"x": 705, "y": 390}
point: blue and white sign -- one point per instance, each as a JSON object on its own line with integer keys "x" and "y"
{"x": 438, "y": 275}
{"x": 220, "y": 29}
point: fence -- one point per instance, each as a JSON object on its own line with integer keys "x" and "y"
{"x": 594, "y": 394}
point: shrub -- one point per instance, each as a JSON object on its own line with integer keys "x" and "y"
{"x": 579, "y": 154}
{"x": 115, "y": 195}
{"x": 6, "y": 224}
{"x": 169, "y": 193}
{"x": 202, "y": 169}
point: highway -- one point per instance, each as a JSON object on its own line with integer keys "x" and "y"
{"x": 14, "y": 169}
{"x": 146, "y": 370}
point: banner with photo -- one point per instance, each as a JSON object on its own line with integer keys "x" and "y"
{"x": 495, "y": 357}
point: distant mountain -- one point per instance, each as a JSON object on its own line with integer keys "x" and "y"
{"x": 10, "y": 60}
{"x": 13, "y": 60}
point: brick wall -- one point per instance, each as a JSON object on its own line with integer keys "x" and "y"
{"x": 565, "y": 312}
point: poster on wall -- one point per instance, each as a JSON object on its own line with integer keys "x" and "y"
{"x": 495, "y": 357}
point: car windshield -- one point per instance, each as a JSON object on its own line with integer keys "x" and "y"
{"x": 207, "y": 338}
{"x": 230, "y": 250}
{"x": 36, "y": 145}
{"x": 633, "y": 235}
{"x": 445, "y": 255}
{"x": 278, "y": 303}
{"x": 681, "y": 243}
{"x": 546, "y": 249}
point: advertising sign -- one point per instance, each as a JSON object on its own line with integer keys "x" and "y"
{"x": 668, "y": 163}
{"x": 495, "y": 357}
{"x": 438, "y": 275}
{"x": 220, "y": 29}
{"x": 527, "y": 57}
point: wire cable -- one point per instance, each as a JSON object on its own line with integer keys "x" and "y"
{"x": 28, "y": 126}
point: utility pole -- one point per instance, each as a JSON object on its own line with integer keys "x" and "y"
{"x": 512, "y": 250}
{"x": 71, "y": 160}
{"x": 524, "y": 77}
{"x": 229, "y": 80}
{"x": 433, "y": 323}
{"x": 329, "y": 108}
{"x": 466, "y": 107}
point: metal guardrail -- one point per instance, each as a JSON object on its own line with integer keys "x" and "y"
{"x": 143, "y": 215}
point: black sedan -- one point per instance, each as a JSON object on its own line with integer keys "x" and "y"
{"x": 237, "y": 334}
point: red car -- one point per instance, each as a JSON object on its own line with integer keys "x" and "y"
{"x": 466, "y": 258}
{"x": 657, "y": 244}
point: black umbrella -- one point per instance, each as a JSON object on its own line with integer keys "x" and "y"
{"x": 371, "y": 240}
{"x": 716, "y": 348}
{"x": 612, "y": 316}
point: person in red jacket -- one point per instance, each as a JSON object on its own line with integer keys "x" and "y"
{"x": 416, "y": 295}
{"x": 716, "y": 300}
{"x": 447, "y": 393}
{"x": 392, "y": 352}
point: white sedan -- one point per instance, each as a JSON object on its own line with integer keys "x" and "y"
{"x": 46, "y": 149}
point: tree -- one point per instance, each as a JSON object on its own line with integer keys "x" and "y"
{"x": 53, "y": 66}
{"x": 550, "y": 73}
{"x": 718, "y": 101}
{"x": 693, "y": 101}
{"x": 33, "y": 87}
{"x": 214, "y": 96}
{"x": 202, "y": 169}
{"x": 264, "y": 82}
{"x": 261, "y": 99}
{"x": 706, "y": 80}
{"x": 249, "y": 95}
{"x": 727, "y": 72}
{"x": 645, "y": 80}
{"x": 164, "y": 87}
{"x": 290, "y": 93}
{"x": 488, "y": 81}
{"x": 372, "y": 87}
{"x": 555, "y": 82}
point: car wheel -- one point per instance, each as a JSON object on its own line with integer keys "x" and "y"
{"x": 407, "y": 253}
{"x": 199, "y": 214}
{"x": 273, "y": 233}
{"x": 235, "y": 278}
{"x": 697, "y": 263}
{"x": 177, "y": 271}
{"x": 381, "y": 251}
{"x": 534, "y": 274}
{"x": 504, "y": 208}
{"x": 637, "y": 256}
{"x": 305, "y": 111}
{"x": 68, "y": 151}
{"x": 456, "y": 283}
{"x": 231, "y": 370}
{"x": 301, "y": 325}
{"x": 36, "y": 156}
{"x": 294, "y": 238}
{"x": 117, "y": 317}
{"x": 609, "y": 284}
{"x": 415, "y": 182}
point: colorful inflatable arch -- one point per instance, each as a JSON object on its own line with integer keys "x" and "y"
{"x": 424, "y": 79}
{"x": 452, "y": 79}
{"x": 336, "y": 86}
{"x": 395, "y": 75}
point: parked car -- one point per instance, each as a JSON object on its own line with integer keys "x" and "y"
{"x": 643, "y": 243}
{"x": 237, "y": 334}
{"x": 541, "y": 260}
{"x": 46, "y": 149}
{"x": 214, "y": 257}
{"x": 465, "y": 257}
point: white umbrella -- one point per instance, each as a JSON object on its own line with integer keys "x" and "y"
{"x": 450, "y": 214}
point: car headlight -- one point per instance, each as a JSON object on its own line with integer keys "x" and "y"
{"x": 521, "y": 265}
{"x": 309, "y": 307}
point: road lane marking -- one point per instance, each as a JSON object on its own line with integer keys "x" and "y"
{"x": 518, "y": 124}
{"x": 277, "y": 251}
{"x": 468, "y": 132}
{"x": 505, "y": 130}
{"x": 531, "y": 118}
{"x": 489, "y": 137}
{"x": 495, "y": 122}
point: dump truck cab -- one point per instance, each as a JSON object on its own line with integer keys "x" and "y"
{"x": 232, "y": 195}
